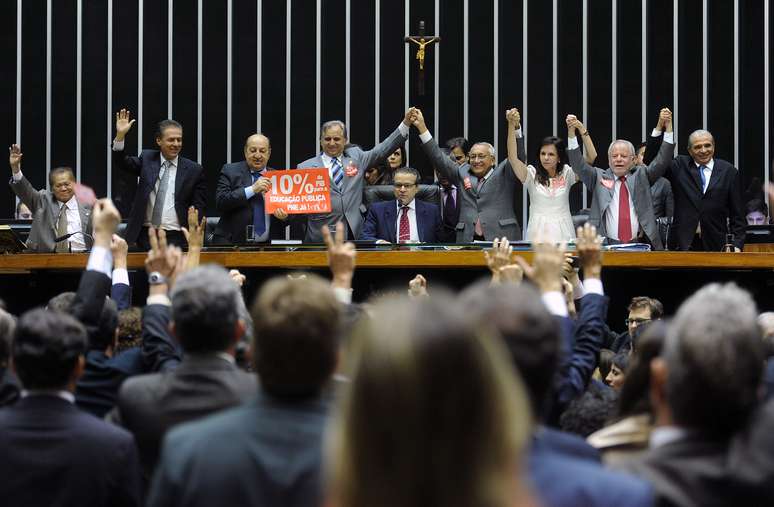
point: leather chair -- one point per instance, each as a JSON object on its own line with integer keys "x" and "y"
{"x": 377, "y": 193}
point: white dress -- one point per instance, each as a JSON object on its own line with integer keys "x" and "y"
{"x": 549, "y": 207}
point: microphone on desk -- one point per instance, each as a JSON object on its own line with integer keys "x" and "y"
{"x": 68, "y": 235}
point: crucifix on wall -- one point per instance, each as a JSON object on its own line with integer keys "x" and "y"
{"x": 421, "y": 41}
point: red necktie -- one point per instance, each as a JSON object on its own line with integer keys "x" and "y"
{"x": 624, "y": 218}
{"x": 404, "y": 233}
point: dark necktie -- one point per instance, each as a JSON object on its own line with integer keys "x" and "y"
{"x": 61, "y": 230}
{"x": 624, "y": 218}
{"x": 404, "y": 232}
{"x": 259, "y": 216}
{"x": 338, "y": 174}
{"x": 702, "y": 178}
{"x": 161, "y": 195}
{"x": 449, "y": 209}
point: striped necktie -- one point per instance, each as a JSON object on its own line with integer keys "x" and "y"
{"x": 338, "y": 174}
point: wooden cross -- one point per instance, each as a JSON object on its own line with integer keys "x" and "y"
{"x": 421, "y": 41}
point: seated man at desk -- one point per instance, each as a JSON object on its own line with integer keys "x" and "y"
{"x": 57, "y": 214}
{"x": 404, "y": 220}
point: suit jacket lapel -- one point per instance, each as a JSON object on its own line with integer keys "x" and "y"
{"x": 715, "y": 176}
{"x": 693, "y": 172}
{"x": 246, "y": 179}
{"x": 421, "y": 211}
{"x": 390, "y": 217}
{"x": 179, "y": 172}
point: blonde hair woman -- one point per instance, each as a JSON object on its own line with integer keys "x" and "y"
{"x": 434, "y": 414}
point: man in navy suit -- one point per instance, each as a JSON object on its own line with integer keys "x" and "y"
{"x": 169, "y": 184}
{"x": 239, "y": 197}
{"x": 404, "y": 220}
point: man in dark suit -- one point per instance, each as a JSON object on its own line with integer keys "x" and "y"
{"x": 404, "y": 220}
{"x": 56, "y": 213}
{"x": 53, "y": 453}
{"x": 450, "y": 209}
{"x": 704, "y": 389}
{"x": 347, "y": 166}
{"x": 197, "y": 377}
{"x": 708, "y": 198}
{"x": 563, "y": 468}
{"x": 239, "y": 197}
{"x": 269, "y": 451}
{"x": 168, "y": 183}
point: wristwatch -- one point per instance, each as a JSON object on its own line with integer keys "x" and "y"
{"x": 156, "y": 278}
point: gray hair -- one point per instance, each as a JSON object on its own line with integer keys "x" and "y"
{"x": 488, "y": 146}
{"x": 714, "y": 356}
{"x": 334, "y": 123}
{"x": 626, "y": 143}
{"x": 699, "y": 132}
{"x": 205, "y": 309}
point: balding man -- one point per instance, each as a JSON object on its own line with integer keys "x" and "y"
{"x": 622, "y": 206}
{"x": 708, "y": 198}
{"x": 239, "y": 198}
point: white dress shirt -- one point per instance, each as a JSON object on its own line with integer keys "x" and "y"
{"x": 707, "y": 173}
{"x": 611, "y": 213}
{"x": 412, "y": 218}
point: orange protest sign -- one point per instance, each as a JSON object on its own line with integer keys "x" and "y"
{"x": 299, "y": 191}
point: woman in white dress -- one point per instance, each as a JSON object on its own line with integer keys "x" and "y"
{"x": 548, "y": 185}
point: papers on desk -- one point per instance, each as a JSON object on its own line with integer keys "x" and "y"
{"x": 628, "y": 247}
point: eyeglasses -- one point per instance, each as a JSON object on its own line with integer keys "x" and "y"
{"x": 636, "y": 322}
{"x": 404, "y": 185}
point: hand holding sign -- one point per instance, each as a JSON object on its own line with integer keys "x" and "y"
{"x": 298, "y": 191}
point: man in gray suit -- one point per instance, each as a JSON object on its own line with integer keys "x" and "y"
{"x": 56, "y": 213}
{"x": 269, "y": 451}
{"x": 622, "y": 206}
{"x": 487, "y": 188}
{"x": 347, "y": 167}
{"x": 198, "y": 380}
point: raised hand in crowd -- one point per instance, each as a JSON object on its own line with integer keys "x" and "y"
{"x": 546, "y": 268}
{"x": 514, "y": 118}
{"x": 500, "y": 261}
{"x": 417, "y": 286}
{"x": 194, "y": 235}
{"x": 14, "y": 158}
{"x": 589, "y": 150}
{"x": 123, "y": 124}
{"x": 238, "y": 277}
{"x": 341, "y": 257}
{"x": 589, "y": 246}
{"x": 410, "y": 116}
{"x": 163, "y": 259}
{"x": 664, "y": 120}
{"x": 419, "y": 121}
{"x": 120, "y": 250}
{"x": 104, "y": 220}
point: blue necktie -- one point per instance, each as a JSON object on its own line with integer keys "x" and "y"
{"x": 259, "y": 217}
{"x": 338, "y": 174}
{"x": 703, "y": 179}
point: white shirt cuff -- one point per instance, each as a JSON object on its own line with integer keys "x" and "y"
{"x": 158, "y": 299}
{"x": 249, "y": 192}
{"x": 17, "y": 176}
{"x": 100, "y": 259}
{"x": 519, "y": 133}
{"x": 669, "y": 137}
{"x": 426, "y": 137}
{"x": 343, "y": 295}
{"x": 555, "y": 303}
{"x": 572, "y": 143}
{"x": 118, "y": 145}
{"x": 593, "y": 286}
{"x": 656, "y": 133}
{"x": 120, "y": 275}
{"x": 578, "y": 291}
{"x": 404, "y": 129}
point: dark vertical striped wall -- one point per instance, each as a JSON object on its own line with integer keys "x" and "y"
{"x": 227, "y": 68}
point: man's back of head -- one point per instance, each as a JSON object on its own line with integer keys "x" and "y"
{"x": 530, "y": 333}
{"x": 297, "y": 325}
{"x": 205, "y": 312}
{"x": 714, "y": 356}
{"x": 46, "y": 350}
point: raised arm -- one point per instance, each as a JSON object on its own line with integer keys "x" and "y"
{"x": 585, "y": 172}
{"x": 659, "y": 165}
{"x": 443, "y": 164}
{"x": 124, "y": 124}
{"x": 589, "y": 150}
{"x": 381, "y": 151}
{"x": 514, "y": 124}
{"x": 19, "y": 184}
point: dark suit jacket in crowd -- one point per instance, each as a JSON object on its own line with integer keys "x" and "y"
{"x": 663, "y": 200}
{"x": 190, "y": 187}
{"x": 236, "y": 212}
{"x": 448, "y": 232}
{"x": 52, "y": 453}
{"x": 565, "y": 475}
{"x": 45, "y": 212}
{"x": 267, "y": 452}
{"x": 382, "y": 217}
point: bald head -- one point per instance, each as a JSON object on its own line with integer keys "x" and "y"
{"x": 257, "y": 151}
